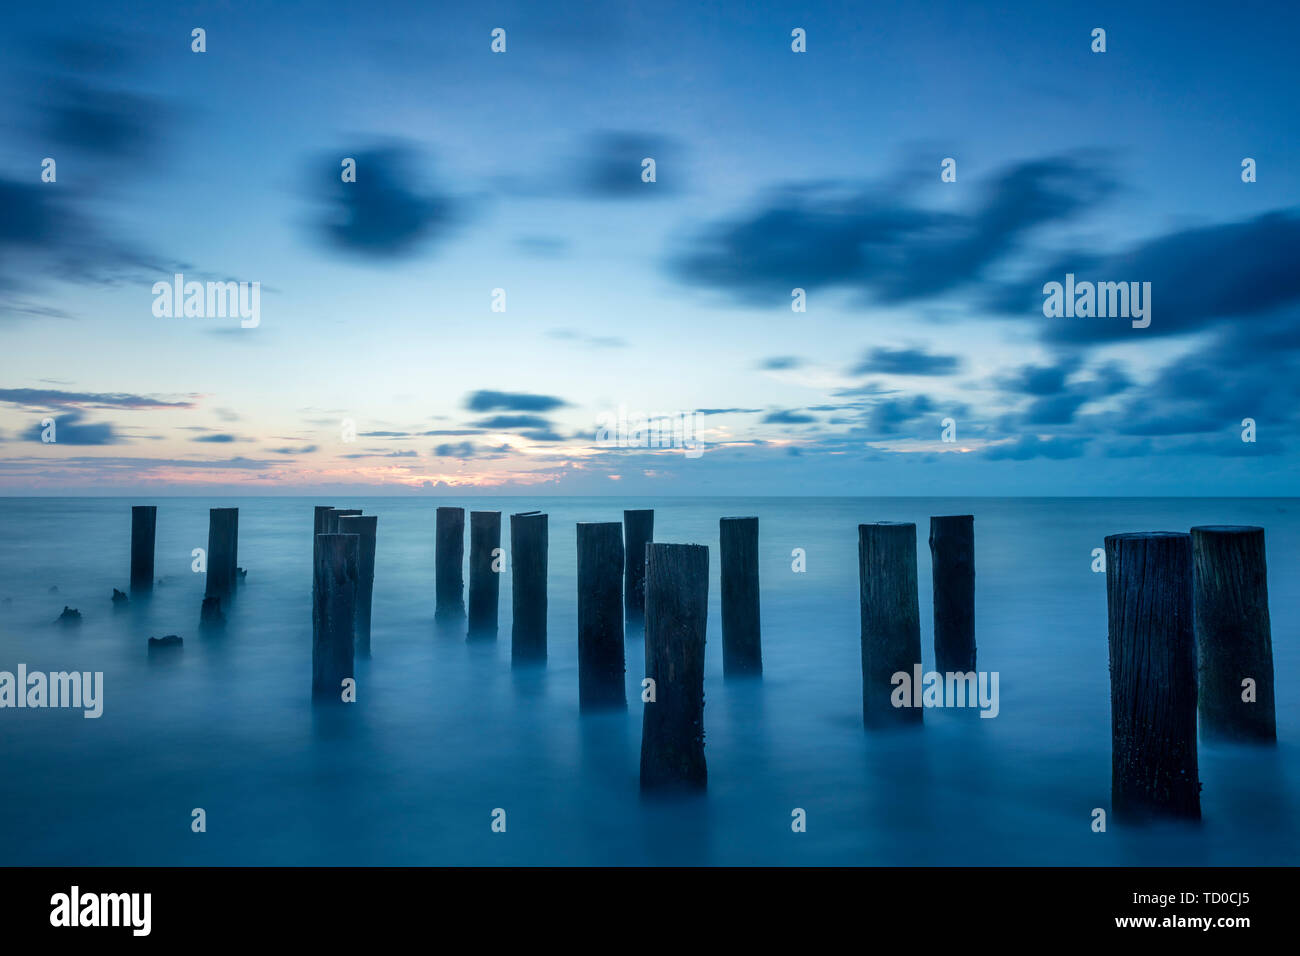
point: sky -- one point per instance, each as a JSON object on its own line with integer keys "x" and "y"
{"x": 922, "y": 363}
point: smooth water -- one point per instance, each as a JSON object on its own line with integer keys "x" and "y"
{"x": 444, "y": 731}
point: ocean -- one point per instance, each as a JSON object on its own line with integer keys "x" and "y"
{"x": 444, "y": 732}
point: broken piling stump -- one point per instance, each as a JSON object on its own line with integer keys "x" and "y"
{"x": 528, "y": 559}
{"x": 638, "y": 531}
{"x": 364, "y": 527}
{"x": 144, "y": 525}
{"x": 448, "y": 563}
{"x": 891, "y": 618}
{"x": 332, "y": 656}
{"x": 223, "y": 552}
{"x": 484, "y": 579}
{"x": 742, "y": 651}
{"x": 952, "y": 563}
{"x": 601, "y": 666}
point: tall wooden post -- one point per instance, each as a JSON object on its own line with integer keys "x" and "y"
{"x": 364, "y": 527}
{"x": 448, "y": 561}
{"x": 484, "y": 581}
{"x": 1234, "y": 637}
{"x": 952, "y": 562}
{"x": 320, "y": 525}
{"x": 332, "y": 656}
{"x": 638, "y": 531}
{"x": 223, "y": 552}
{"x": 742, "y": 652}
{"x": 528, "y": 558}
{"x": 891, "y": 619}
{"x": 601, "y": 665}
{"x": 1152, "y": 676}
{"x": 144, "y": 523}
{"x": 677, "y": 608}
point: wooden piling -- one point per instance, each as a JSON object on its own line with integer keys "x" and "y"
{"x": 1152, "y": 676}
{"x": 484, "y": 582}
{"x": 891, "y": 619}
{"x": 601, "y": 666}
{"x": 332, "y": 656}
{"x": 638, "y": 531}
{"x": 333, "y": 515}
{"x": 676, "y": 612}
{"x": 1234, "y": 639}
{"x": 448, "y": 561}
{"x": 742, "y": 652}
{"x": 528, "y": 554}
{"x": 364, "y": 527}
{"x": 223, "y": 553}
{"x": 952, "y": 562}
{"x": 144, "y": 524}
{"x": 320, "y": 526}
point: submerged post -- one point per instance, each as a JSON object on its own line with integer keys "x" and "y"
{"x": 891, "y": 620}
{"x": 638, "y": 531}
{"x": 1152, "y": 676}
{"x": 528, "y": 549}
{"x": 676, "y": 612}
{"x": 364, "y": 527}
{"x": 484, "y": 579}
{"x": 742, "y": 652}
{"x": 601, "y": 666}
{"x": 144, "y": 523}
{"x": 223, "y": 552}
{"x": 335, "y": 604}
{"x": 1234, "y": 638}
{"x": 952, "y": 562}
{"x": 448, "y": 561}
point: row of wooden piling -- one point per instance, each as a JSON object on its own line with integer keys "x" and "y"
{"x": 1188, "y": 625}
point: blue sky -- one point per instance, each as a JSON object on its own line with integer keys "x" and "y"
{"x": 774, "y": 170}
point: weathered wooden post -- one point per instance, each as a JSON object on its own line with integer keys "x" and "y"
{"x": 676, "y": 612}
{"x": 223, "y": 552}
{"x": 484, "y": 581}
{"x": 1234, "y": 638}
{"x": 448, "y": 561}
{"x": 528, "y": 550}
{"x": 601, "y": 665}
{"x": 336, "y": 607}
{"x": 638, "y": 531}
{"x": 742, "y": 652}
{"x": 891, "y": 620}
{"x": 364, "y": 527}
{"x": 334, "y": 514}
{"x": 320, "y": 526}
{"x": 144, "y": 523}
{"x": 952, "y": 562}
{"x": 1152, "y": 676}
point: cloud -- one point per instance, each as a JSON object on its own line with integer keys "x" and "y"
{"x": 384, "y": 214}
{"x": 611, "y": 165}
{"x": 69, "y": 430}
{"x": 504, "y": 422}
{"x": 44, "y": 397}
{"x": 464, "y": 449}
{"x": 489, "y": 401}
{"x": 1027, "y": 447}
{"x": 867, "y": 238}
{"x": 909, "y": 361}
{"x": 220, "y": 438}
{"x": 788, "y": 417}
{"x": 779, "y": 363}
{"x": 727, "y": 411}
{"x": 290, "y": 450}
{"x": 595, "y": 341}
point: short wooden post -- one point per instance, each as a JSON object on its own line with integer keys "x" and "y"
{"x": 334, "y": 514}
{"x": 676, "y": 612}
{"x": 364, "y": 527}
{"x": 528, "y": 552}
{"x": 484, "y": 580}
{"x": 223, "y": 552}
{"x": 1152, "y": 676}
{"x": 952, "y": 563}
{"x": 1234, "y": 638}
{"x": 742, "y": 652}
{"x": 448, "y": 563}
{"x": 144, "y": 523}
{"x": 337, "y": 560}
{"x": 891, "y": 619}
{"x": 601, "y": 666}
{"x": 638, "y": 531}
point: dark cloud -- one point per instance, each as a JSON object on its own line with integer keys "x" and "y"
{"x": 872, "y": 240}
{"x": 103, "y": 122}
{"x": 464, "y": 449}
{"x": 218, "y": 438}
{"x": 69, "y": 430}
{"x": 788, "y": 417}
{"x": 490, "y": 401}
{"x": 505, "y": 422}
{"x": 780, "y": 362}
{"x": 40, "y": 397}
{"x": 386, "y": 213}
{"x": 611, "y": 166}
{"x": 1027, "y": 447}
{"x": 292, "y": 450}
{"x": 910, "y": 361}
{"x": 727, "y": 411}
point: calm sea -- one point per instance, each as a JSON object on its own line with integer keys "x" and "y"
{"x": 445, "y": 732}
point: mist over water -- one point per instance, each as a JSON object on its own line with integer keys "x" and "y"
{"x": 445, "y": 731}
